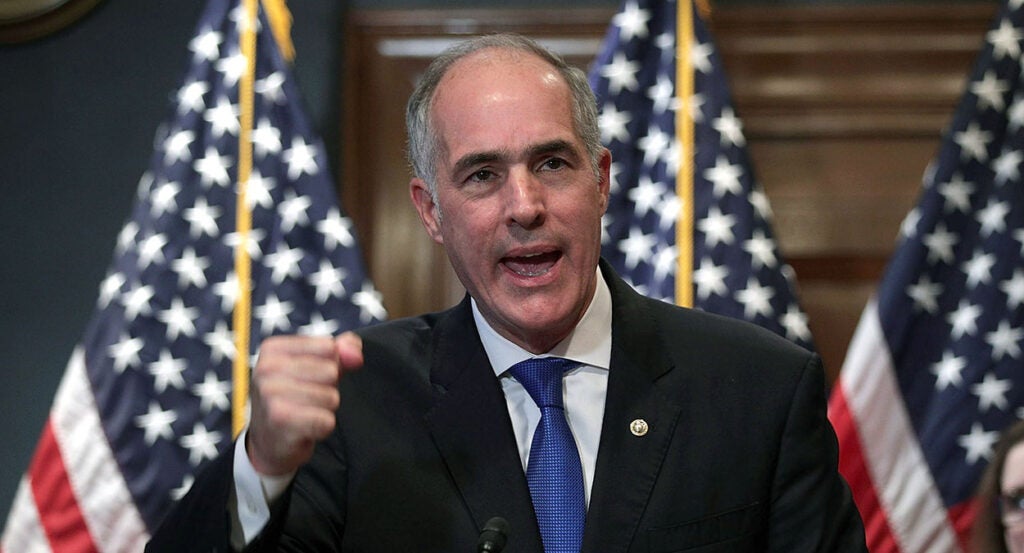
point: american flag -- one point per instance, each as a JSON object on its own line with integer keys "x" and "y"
{"x": 144, "y": 401}
{"x": 935, "y": 368}
{"x": 736, "y": 267}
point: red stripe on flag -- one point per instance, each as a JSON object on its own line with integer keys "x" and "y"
{"x": 880, "y": 538}
{"x": 961, "y": 517}
{"x": 58, "y": 508}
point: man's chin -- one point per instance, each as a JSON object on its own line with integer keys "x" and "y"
{"x": 543, "y": 328}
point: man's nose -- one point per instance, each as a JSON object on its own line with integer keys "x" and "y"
{"x": 526, "y": 199}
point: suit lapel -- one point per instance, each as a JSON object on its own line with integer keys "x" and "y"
{"x": 627, "y": 463}
{"x": 471, "y": 428}
{"x": 473, "y": 433}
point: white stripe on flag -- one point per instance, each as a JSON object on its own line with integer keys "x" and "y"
{"x": 904, "y": 484}
{"x": 103, "y": 496}
{"x": 24, "y": 533}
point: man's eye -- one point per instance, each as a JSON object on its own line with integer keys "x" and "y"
{"x": 553, "y": 164}
{"x": 481, "y": 176}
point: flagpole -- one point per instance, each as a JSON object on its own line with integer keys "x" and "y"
{"x": 243, "y": 264}
{"x": 280, "y": 19}
{"x": 684, "y": 176}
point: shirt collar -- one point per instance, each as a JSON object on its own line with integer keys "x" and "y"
{"x": 589, "y": 343}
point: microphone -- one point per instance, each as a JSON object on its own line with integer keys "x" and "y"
{"x": 493, "y": 536}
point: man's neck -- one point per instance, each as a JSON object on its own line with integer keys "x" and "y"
{"x": 588, "y": 342}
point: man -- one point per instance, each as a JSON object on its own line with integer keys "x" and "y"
{"x": 693, "y": 432}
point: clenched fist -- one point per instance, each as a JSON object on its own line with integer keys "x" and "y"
{"x": 294, "y": 397}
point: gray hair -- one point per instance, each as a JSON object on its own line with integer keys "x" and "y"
{"x": 423, "y": 147}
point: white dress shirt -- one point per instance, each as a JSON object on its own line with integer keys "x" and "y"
{"x": 584, "y": 390}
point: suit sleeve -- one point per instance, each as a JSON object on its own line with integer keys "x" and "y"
{"x": 812, "y": 508}
{"x": 200, "y": 520}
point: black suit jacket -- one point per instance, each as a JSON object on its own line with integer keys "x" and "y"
{"x": 739, "y": 455}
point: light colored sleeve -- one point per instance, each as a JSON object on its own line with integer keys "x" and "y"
{"x": 254, "y": 492}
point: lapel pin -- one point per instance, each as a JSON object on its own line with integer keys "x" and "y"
{"x": 638, "y": 427}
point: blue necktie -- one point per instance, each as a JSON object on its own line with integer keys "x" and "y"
{"x": 553, "y": 472}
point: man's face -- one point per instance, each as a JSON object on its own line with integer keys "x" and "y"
{"x": 518, "y": 204}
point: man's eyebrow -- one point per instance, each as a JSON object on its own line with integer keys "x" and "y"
{"x": 552, "y": 146}
{"x": 474, "y": 159}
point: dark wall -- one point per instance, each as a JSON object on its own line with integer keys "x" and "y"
{"x": 78, "y": 112}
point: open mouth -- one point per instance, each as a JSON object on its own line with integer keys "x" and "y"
{"x": 533, "y": 265}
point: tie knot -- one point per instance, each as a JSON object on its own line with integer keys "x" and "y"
{"x": 542, "y": 378}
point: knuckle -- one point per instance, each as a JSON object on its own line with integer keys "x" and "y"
{"x": 324, "y": 425}
{"x": 333, "y": 399}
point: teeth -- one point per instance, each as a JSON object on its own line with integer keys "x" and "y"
{"x": 531, "y": 273}
{"x": 532, "y": 264}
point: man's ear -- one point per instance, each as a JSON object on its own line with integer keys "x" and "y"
{"x": 427, "y": 209}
